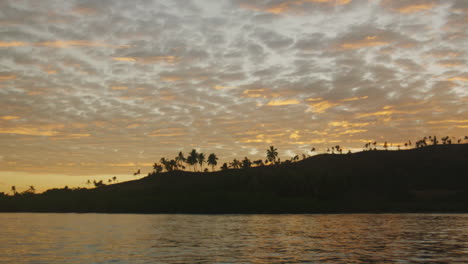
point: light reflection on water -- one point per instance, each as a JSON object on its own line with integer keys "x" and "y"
{"x": 119, "y": 238}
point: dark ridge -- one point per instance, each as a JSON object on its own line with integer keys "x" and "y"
{"x": 428, "y": 179}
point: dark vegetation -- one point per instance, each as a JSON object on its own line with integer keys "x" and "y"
{"x": 430, "y": 178}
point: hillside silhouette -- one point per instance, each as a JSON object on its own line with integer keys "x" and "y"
{"x": 428, "y": 179}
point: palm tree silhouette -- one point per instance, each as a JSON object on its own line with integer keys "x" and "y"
{"x": 272, "y": 154}
{"x": 13, "y": 190}
{"x": 201, "y": 160}
{"x": 246, "y": 163}
{"x": 157, "y": 168}
{"x": 235, "y": 164}
{"x": 192, "y": 158}
{"x": 180, "y": 159}
{"x": 225, "y": 166}
{"x": 212, "y": 160}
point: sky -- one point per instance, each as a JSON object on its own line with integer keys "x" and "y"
{"x": 95, "y": 89}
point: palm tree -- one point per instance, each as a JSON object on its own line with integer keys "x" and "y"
{"x": 225, "y": 166}
{"x": 258, "y": 162}
{"x": 192, "y": 158}
{"x": 114, "y": 179}
{"x": 32, "y": 189}
{"x": 180, "y": 159}
{"x": 246, "y": 163}
{"x": 13, "y": 190}
{"x": 235, "y": 164}
{"x": 272, "y": 154}
{"x": 212, "y": 160}
{"x": 201, "y": 160}
{"x": 157, "y": 168}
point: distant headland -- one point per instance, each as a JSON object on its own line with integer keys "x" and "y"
{"x": 433, "y": 177}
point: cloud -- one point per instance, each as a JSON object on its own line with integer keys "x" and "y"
{"x": 458, "y": 78}
{"x": 409, "y": 6}
{"x": 370, "y": 41}
{"x": 288, "y": 5}
{"x": 7, "y": 77}
{"x": 9, "y": 44}
{"x": 9, "y": 117}
{"x": 148, "y": 60}
{"x": 321, "y": 106}
{"x": 283, "y": 102}
{"x": 145, "y": 79}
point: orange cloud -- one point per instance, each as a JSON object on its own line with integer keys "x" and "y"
{"x": 119, "y": 88}
{"x": 283, "y": 102}
{"x": 354, "y": 99}
{"x": 353, "y": 131}
{"x": 387, "y": 110}
{"x": 7, "y": 77}
{"x": 9, "y": 44}
{"x": 219, "y": 87}
{"x": 346, "y": 124}
{"x": 148, "y": 60}
{"x": 370, "y": 41}
{"x": 314, "y": 99}
{"x": 458, "y": 78}
{"x": 124, "y": 59}
{"x": 287, "y": 5}
{"x": 133, "y": 125}
{"x": 9, "y": 117}
{"x": 415, "y": 8}
{"x": 47, "y": 130}
{"x": 168, "y": 132}
{"x": 321, "y": 107}
{"x": 171, "y": 78}
{"x": 447, "y": 121}
{"x": 76, "y": 43}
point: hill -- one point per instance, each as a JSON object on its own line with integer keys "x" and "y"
{"x": 429, "y": 179}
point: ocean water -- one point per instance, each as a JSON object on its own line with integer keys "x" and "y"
{"x": 134, "y": 238}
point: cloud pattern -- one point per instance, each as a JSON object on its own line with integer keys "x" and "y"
{"x": 100, "y": 87}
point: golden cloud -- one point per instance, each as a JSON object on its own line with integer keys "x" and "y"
{"x": 354, "y": 99}
{"x": 321, "y": 107}
{"x": 168, "y": 132}
{"x": 119, "y": 88}
{"x": 285, "y": 6}
{"x": 447, "y": 121}
{"x": 386, "y": 111}
{"x": 47, "y": 130}
{"x": 61, "y": 44}
{"x": 76, "y": 43}
{"x": 7, "y": 77}
{"x": 133, "y": 125}
{"x": 458, "y": 78}
{"x": 148, "y": 60}
{"x": 346, "y": 124}
{"x": 219, "y": 87}
{"x": 415, "y": 8}
{"x": 283, "y": 102}
{"x": 9, "y": 44}
{"x": 9, "y": 117}
{"x": 171, "y": 78}
{"x": 353, "y": 131}
{"x": 370, "y": 41}
{"x": 314, "y": 99}
{"x": 124, "y": 59}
